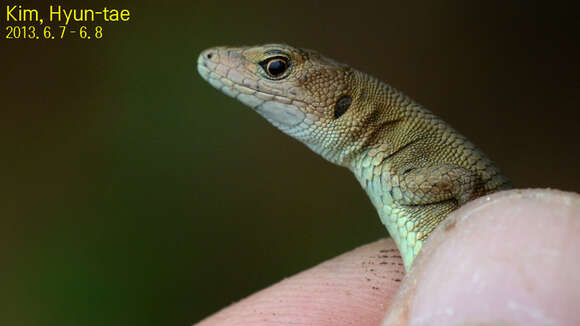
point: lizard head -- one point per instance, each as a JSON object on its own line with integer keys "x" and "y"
{"x": 304, "y": 94}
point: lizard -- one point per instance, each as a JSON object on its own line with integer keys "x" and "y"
{"x": 414, "y": 167}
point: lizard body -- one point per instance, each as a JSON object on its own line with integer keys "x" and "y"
{"x": 414, "y": 167}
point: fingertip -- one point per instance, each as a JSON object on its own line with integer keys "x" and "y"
{"x": 509, "y": 257}
{"x": 353, "y": 288}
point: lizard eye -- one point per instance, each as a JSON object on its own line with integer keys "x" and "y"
{"x": 341, "y": 106}
{"x": 275, "y": 67}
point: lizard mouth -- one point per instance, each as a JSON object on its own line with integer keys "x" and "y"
{"x": 280, "y": 111}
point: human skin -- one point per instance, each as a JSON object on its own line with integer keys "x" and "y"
{"x": 511, "y": 258}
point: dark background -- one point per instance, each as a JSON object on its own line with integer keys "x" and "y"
{"x": 133, "y": 193}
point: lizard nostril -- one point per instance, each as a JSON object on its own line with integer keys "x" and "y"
{"x": 209, "y": 55}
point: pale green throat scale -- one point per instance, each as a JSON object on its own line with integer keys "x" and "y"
{"x": 415, "y": 168}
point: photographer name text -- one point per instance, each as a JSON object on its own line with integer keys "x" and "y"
{"x": 18, "y": 14}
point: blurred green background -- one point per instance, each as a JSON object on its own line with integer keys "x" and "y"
{"x": 133, "y": 193}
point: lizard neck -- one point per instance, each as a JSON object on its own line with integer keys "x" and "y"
{"x": 385, "y": 115}
{"x": 394, "y": 124}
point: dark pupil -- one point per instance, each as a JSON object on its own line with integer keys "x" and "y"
{"x": 341, "y": 106}
{"x": 276, "y": 67}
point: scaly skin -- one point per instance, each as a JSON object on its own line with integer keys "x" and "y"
{"x": 415, "y": 168}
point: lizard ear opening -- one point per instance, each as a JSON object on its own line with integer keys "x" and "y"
{"x": 341, "y": 106}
